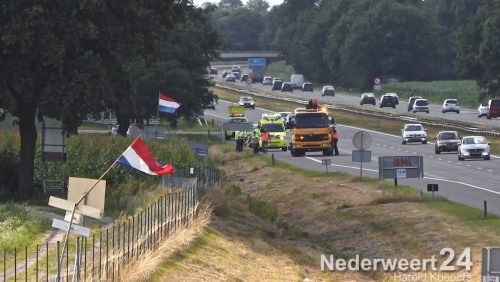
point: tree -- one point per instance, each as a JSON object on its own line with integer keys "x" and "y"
{"x": 258, "y": 6}
{"x": 478, "y": 48}
{"x": 69, "y": 59}
{"x": 180, "y": 72}
{"x": 230, "y": 4}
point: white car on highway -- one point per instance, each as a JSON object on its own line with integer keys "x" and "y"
{"x": 421, "y": 105}
{"x": 474, "y": 147}
{"x": 413, "y": 132}
{"x": 482, "y": 110}
{"x": 450, "y": 105}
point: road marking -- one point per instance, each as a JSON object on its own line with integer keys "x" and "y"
{"x": 399, "y": 149}
{"x": 430, "y": 178}
{"x": 459, "y": 163}
{"x": 440, "y": 159}
{"x": 449, "y": 161}
{"x": 468, "y": 165}
{"x": 489, "y": 170}
{"x": 391, "y": 147}
{"x": 479, "y": 168}
{"x": 377, "y": 144}
{"x": 407, "y": 151}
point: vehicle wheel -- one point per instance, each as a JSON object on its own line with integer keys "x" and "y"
{"x": 486, "y": 158}
{"x": 460, "y": 158}
{"x": 443, "y": 112}
{"x": 414, "y": 111}
{"x": 404, "y": 142}
{"x": 437, "y": 152}
{"x": 427, "y": 112}
{"x": 361, "y": 104}
{"x": 284, "y": 149}
{"x": 393, "y": 106}
{"x": 488, "y": 117}
{"x": 458, "y": 112}
{"x": 253, "y": 107}
{"x": 424, "y": 142}
{"x": 478, "y": 116}
{"x": 328, "y": 152}
{"x": 373, "y": 104}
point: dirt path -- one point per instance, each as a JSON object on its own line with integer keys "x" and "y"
{"x": 52, "y": 236}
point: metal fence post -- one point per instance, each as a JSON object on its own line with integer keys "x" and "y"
{"x": 58, "y": 250}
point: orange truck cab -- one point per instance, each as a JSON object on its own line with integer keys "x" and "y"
{"x": 311, "y": 132}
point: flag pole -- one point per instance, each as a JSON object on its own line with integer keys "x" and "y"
{"x": 157, "y": 115}
{"x": 80, "y": 200}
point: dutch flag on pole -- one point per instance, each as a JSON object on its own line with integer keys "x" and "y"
{"x": 167, "y": 104}
{"x": 138, "y": 156}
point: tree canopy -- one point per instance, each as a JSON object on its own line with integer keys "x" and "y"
{"x": 74, "y": 58}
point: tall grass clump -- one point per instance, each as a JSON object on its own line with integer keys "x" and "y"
{"x": 18, "y": 226}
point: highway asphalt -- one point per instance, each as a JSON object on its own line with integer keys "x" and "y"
{"x": 470, "y": 182}
{"x": 466, "y": 114}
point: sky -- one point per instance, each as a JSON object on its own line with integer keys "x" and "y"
{"x": 271, "y": 2}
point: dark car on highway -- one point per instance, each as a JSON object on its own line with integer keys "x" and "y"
{"x": 446, "y": 141}
{"x": 367, "y": 98}
{"x": 286, "y": 87}
{"x": 307, "y": 86}
{"x": 244, "y": 77}
{"x": 388, "y": 101}
{"x": 277, "y": 85}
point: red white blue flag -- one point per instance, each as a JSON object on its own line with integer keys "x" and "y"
{"x": 167, "y": 104}
{"x": 138, "y": 156}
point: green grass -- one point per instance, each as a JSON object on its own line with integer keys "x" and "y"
{"x": 466, "y": 91}
{"x": 280, "y": 69}
{"x": 19, "y": 226}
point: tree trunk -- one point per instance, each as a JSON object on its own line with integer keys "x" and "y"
{"x": 124, "y": 123}
{"x": 27, "y": 130}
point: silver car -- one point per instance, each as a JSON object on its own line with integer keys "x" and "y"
{"x": 267, "y": 81}
{"x": 474, "y": 147}
{"x": 482, "y": 110}
{"x": 450, "y": 105}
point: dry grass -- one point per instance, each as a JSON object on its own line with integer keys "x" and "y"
{"x": 145, "y": 266}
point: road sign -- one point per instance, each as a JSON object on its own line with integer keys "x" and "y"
{"x": 80, "y": 209}
{"x": 376, "y": 81}
{"x": 326, "y": 161}
{"x": 490, "y": 264}
{"x": 389, "y": 165}
{"x": 257, "y": 63}
{"x": 362, "y": 140}
{"x": 401, "y": 173}
{"x": 432, "y": 188}
{"x": 249, "y": 80}
{"x": 361, "y": 156}
{"x": 63, "y": 225}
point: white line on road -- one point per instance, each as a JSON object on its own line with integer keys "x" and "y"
{"x": 430, "y": 178}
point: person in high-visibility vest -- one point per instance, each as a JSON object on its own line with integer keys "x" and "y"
{"x": 335, "y": 139}
{"x": 264, "y": 137}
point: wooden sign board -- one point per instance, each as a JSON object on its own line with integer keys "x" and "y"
{"x": 63, "y": 225}
{"x": 80, "y": 209}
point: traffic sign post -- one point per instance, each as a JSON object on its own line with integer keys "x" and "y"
{"x": 326, "y": 163}
{"x": 361, "y": 140}
{"x": 401, "y": 167}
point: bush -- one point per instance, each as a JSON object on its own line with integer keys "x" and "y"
{"x": 18, "y": 226}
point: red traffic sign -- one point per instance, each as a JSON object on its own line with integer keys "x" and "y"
{"x": 376, "y": 81}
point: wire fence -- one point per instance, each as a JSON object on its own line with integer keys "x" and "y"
{"x": 103, "y": 255}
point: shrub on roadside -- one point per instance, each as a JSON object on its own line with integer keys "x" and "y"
{"x": 18, "y": 226}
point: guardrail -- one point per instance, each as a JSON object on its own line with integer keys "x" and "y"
{"x": 347, "y": 108}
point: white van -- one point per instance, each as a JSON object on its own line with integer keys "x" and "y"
{"x": 297, "y": 80}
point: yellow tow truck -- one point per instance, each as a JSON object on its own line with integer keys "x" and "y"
{"x": 311, "y": 132}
